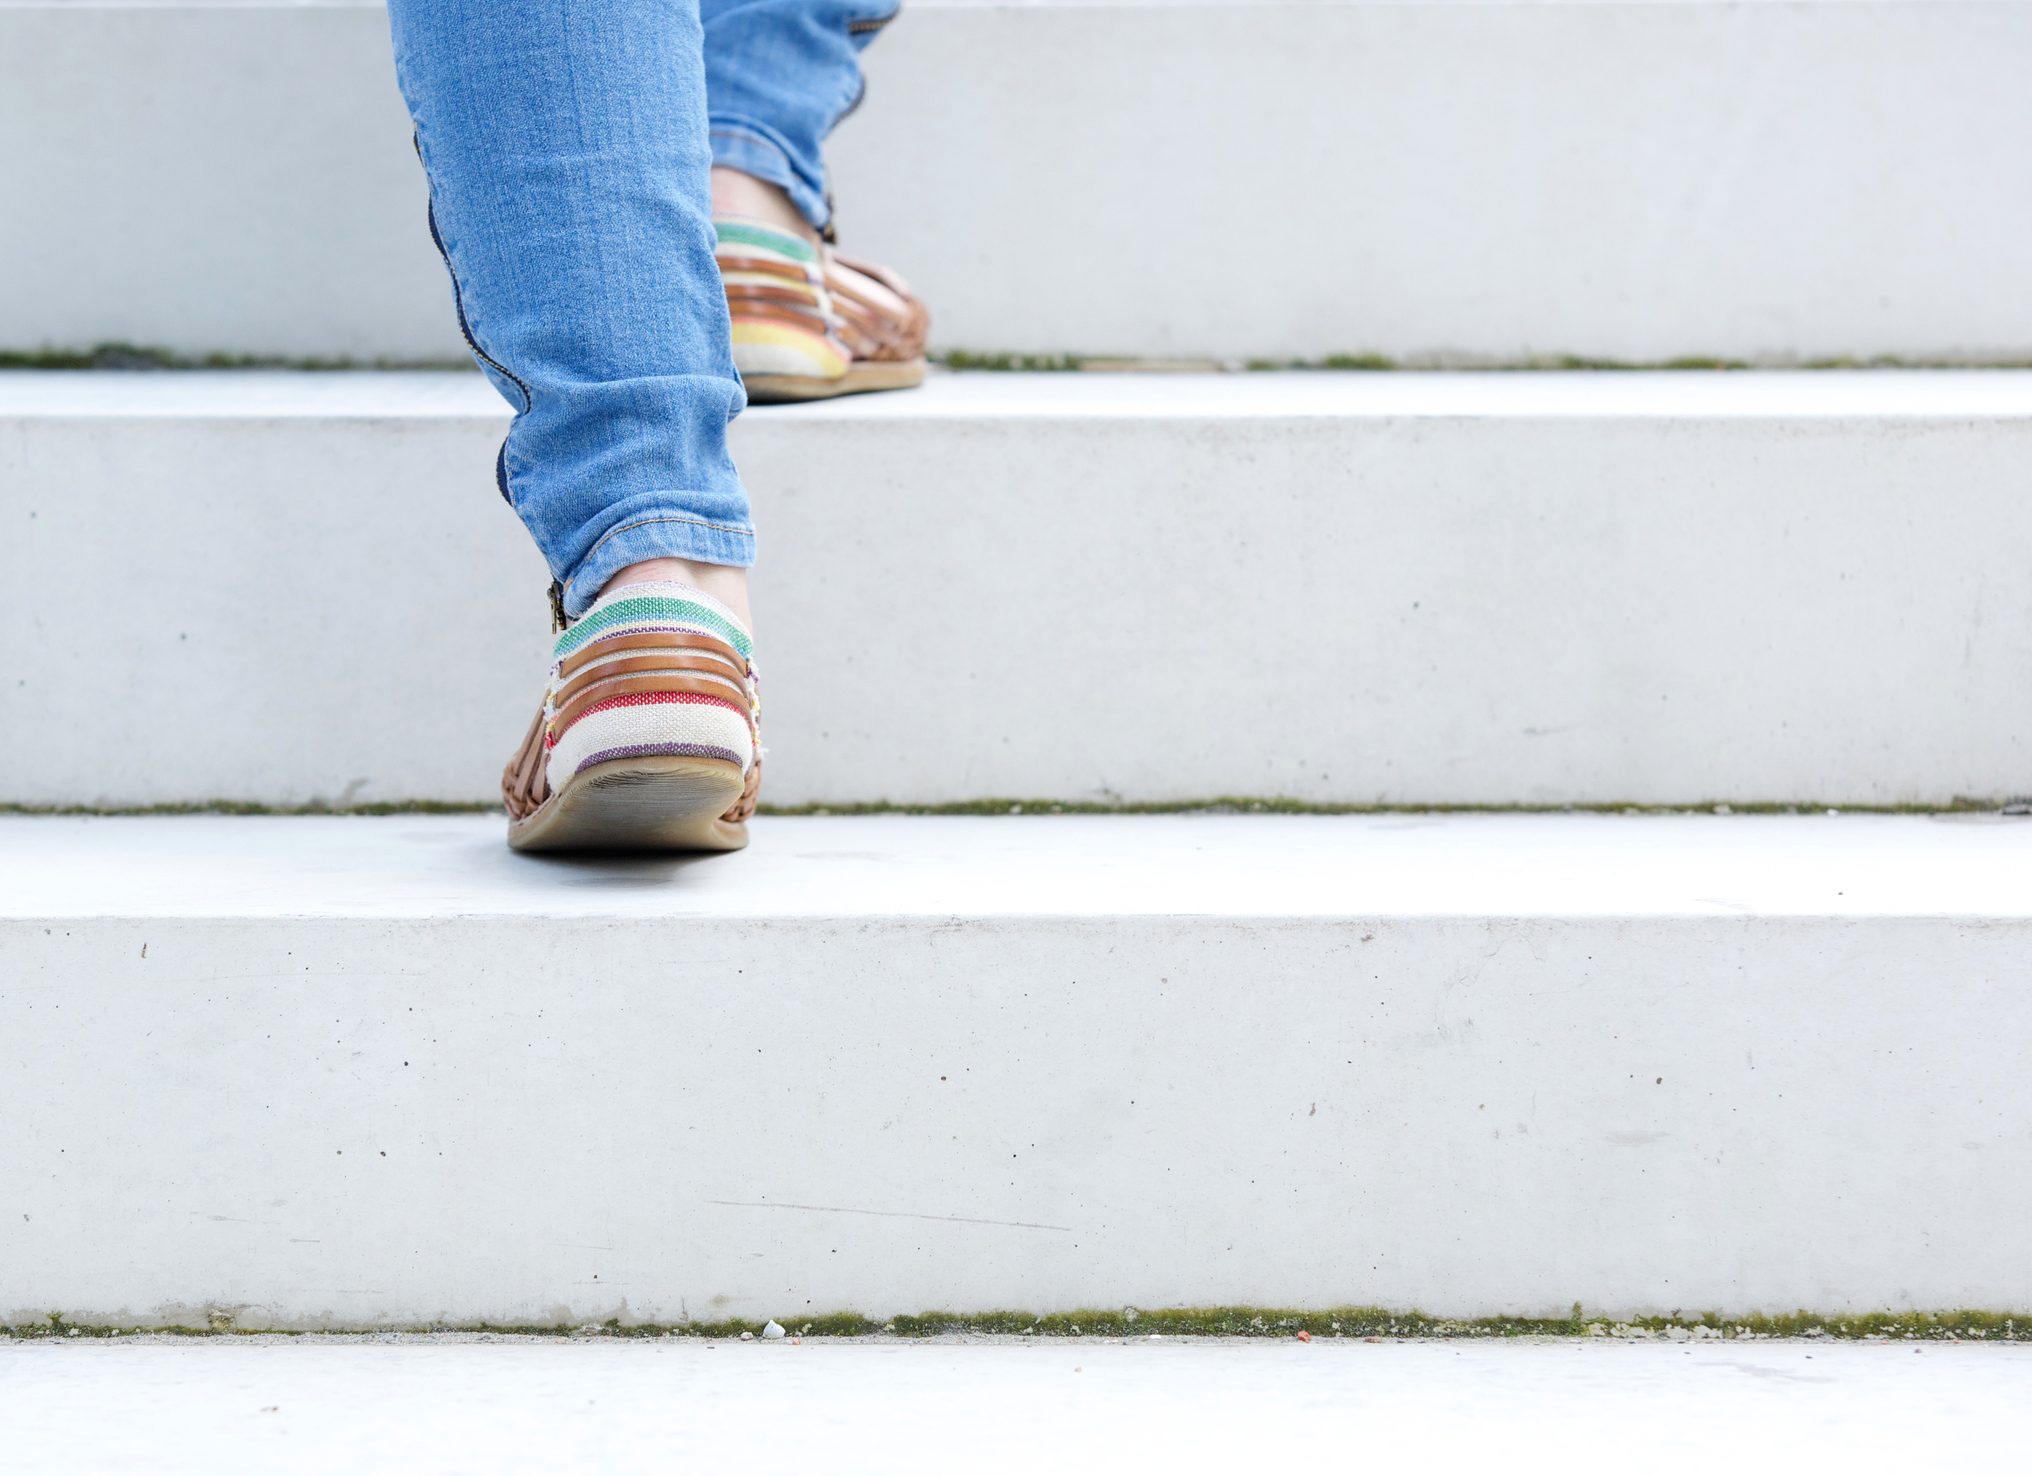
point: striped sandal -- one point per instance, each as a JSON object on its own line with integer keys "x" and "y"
{"x": 649, "y": 736}
{"x": 810, "y": 323}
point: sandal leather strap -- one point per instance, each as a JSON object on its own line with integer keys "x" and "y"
{"x": 880, "y": 317}
{"x": 694, "y": 665}
{"x": 524, "y": 785}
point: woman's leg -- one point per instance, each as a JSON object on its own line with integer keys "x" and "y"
{"x": 566, "y": 145}
{"x": 780, "y": 75}
{"x": 807, "y": 323}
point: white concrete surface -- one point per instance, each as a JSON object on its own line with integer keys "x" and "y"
{"x": 496, "y": 1409}
{"x": 1639, "y": 181}
{"x": 1858, "y": 867}
{"x": 358, "y": 1072}
{"x": 1400, "y": 589}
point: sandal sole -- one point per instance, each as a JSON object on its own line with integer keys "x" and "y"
{"x": 659, "y": 802}
{"x": 860, "y": 379}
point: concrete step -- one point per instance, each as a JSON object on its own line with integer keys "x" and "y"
{"x": 1636, "y": 181}
{"x": 302, "y": 1072}
{"x": 1341, "y": 589}
{"x": 314, "y": 1407}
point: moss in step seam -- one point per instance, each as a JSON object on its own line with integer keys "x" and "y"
{"x": 135, "y": 356}
{"x": 141, "y": 357}
{"x": 1453, "y": 363}
{"x": 1581, "y": 363}
{"x": 1223, "y": 805}
{"x": 1235, "y": 805}
{"x": 239, "y": 807}
{"x": 1010, "y": 363}
{"x": 1227, "y": 1322}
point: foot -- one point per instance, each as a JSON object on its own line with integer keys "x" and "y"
{"x": 723, "y": 582}
{"x": 738, "y": 196}
{"x": 808, "y": 323}
{"x": 648, "y": 738}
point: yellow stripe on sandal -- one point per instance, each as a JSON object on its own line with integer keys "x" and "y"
{"x": 809, "y": 323}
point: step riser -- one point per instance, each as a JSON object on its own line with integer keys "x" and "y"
{"x": 1503, "y": 180}
{"x": 1145, "y": 607}
{"x": 580, "y": 1117}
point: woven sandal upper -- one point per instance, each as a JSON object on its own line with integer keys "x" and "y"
{"x": 787, "y": 298}
{"x": 650, "y": 669}
{"x": 782, "y": 313}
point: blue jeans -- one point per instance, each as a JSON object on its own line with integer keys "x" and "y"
{"x": 567, "y": 144}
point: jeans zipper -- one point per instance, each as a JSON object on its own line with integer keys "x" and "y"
{"x": 466, "y": 327}
{"x": 557, "y": 618}
{"x": 466, "y": 330}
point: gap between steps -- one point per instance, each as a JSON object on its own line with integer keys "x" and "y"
{"x": 2012, "y": 808}
{"x": 140, "y": 357}
{"x": 1373, "y": 1323}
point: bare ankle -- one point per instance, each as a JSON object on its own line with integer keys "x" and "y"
{"x": 749, "y": 198}
{"x": 724, "y": 583}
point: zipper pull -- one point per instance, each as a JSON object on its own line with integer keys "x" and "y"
{"x": 557, "y": 620}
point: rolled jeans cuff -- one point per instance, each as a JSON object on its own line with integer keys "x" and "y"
{"x": 753, "y": 153}
{"x": 672, "y": 535}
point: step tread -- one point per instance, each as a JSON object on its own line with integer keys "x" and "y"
{"x": 1551, "y": 589}
{"x": 228, "y": 1407}
{"x": 1805, "y": 394}
{"x": 1551, "y": 178}
{"x": 1039, "y": 867}
{"x": 310, "y": 1067}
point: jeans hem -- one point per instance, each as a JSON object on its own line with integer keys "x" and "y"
{"x": 666, "y": 536}
{"x": 739, "y": 148}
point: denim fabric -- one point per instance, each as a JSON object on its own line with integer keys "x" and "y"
{"x": 779, "y": 75}
{"x": 566, "y": 145}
